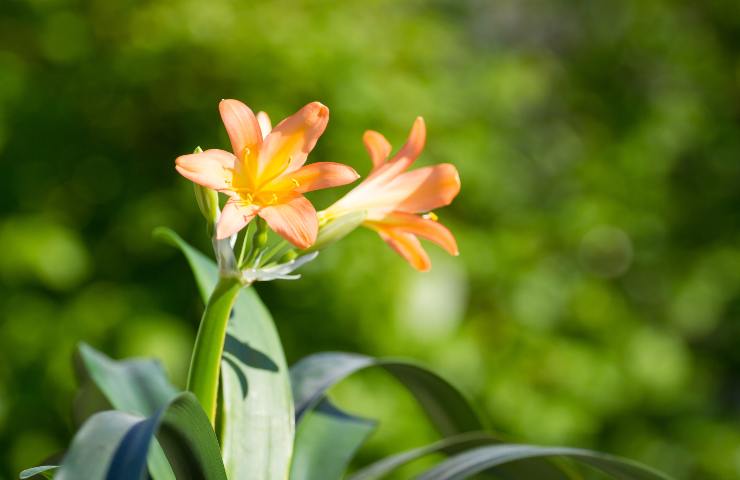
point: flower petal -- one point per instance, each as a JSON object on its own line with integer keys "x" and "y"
{"x": 234, "y": 217}
{"x": 315, "y": 177}
{"x": 408, "y": 246}
{"x": 423, "y": 227}
{"x": 212, "y": 168}
{"x": 286, "y": 147}
{"x": 428, "y": 188}
{"x": 377, "y": 146}
{"x": 419, "y": 190}
{"x": 406, "y": 156}
{"x": 242, "y": 127}
{"x": 265, "y": 124}
{"x": 294, "y": 220}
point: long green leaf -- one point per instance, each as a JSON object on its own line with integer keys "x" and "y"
{"x": 189, "y": 441}
{"x": 136, "y": 386}
{"x": 448, "y": 445}
{"x": 257, "y": 424}
{"x": 467, "y": 464}
{"x": 326, "y": 441}
{"x": 94, "y": 446}
{"x": 446, "y": 407}
{"x": 114, "y": 445}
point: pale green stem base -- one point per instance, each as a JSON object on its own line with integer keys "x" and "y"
{"x": 205, "y": 365}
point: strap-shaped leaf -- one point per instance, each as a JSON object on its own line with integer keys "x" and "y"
{"x": 538, "y": 468}
{"x": 137, "y": 386}
{"x": 114, "y": 445}
{"x": 446, "y": 407}
{"x": 448, "y": 445}
{"x": 94, "y": 446}
{"x": 466, "y": 464}
{"x": 257, "y": 423}
{"x": 326, "y": 441}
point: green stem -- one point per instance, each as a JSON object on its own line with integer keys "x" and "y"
{"x": 209, "y": 345}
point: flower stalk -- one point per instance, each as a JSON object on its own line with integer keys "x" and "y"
{"x": 205, "y": 365}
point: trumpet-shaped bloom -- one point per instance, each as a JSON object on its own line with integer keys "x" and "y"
{"x": 265, "y": 175}
{"x": 393, "y": 198}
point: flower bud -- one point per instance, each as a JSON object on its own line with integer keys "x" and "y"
{"x": 207, "y": 200}
{"x": 337, "y": 228}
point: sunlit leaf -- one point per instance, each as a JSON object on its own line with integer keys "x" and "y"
{"x": 256, "y": 430}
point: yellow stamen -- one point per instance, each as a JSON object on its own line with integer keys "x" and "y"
{"x": 430, "y": 216}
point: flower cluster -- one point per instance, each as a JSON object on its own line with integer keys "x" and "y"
{"x": 265, "y": 177}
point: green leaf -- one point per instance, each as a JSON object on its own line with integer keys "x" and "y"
{"x": 114, "y": 445}
{"x": 466, "y": 464}
{"x": 446, "y": 407}
{"x": 256, "y": 430}
{"x": 94, "y": 446}
{"x": 326, "y": 441}
{"x": 448, "y": 445}
{"x": 135, "y": 386}
{"x": 46, "y": 471}
{"x": 189, "y": 441}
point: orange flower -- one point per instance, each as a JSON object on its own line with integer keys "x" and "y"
{"x": 265, "y": 175}
{"x": 392, "y": 197}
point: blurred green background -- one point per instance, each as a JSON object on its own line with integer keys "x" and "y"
{"x": 596, "y": 299}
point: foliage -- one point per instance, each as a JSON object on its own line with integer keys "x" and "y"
{"x": 176, "y": 439}
{"x": 595, "y": 296}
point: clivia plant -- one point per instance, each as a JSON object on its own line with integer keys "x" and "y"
{"x": 244, "y": 414}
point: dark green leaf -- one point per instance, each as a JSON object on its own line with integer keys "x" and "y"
{"x": 466, "y": 464}
{"x": 256, "y": 430}
{"x": 326, "y": 441}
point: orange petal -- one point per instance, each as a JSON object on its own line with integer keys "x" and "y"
{"x": 212, "y": 168}
{"x": 234, "y": 217}
{"x": 430, "y": 188}
{"x": 377, "y": 146}
{"x": 286, "y": 147}
{"x": 241, "y": 125}
{"x": 265, "y": 124}
{"x": 409, "y": 247}
{"x": 423, "y": 227}
{"x": 406, "y": 156}
{"x": 294, "y": 220}
{"x": 315, "y": 177}
{"x": 419, "y": 190}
